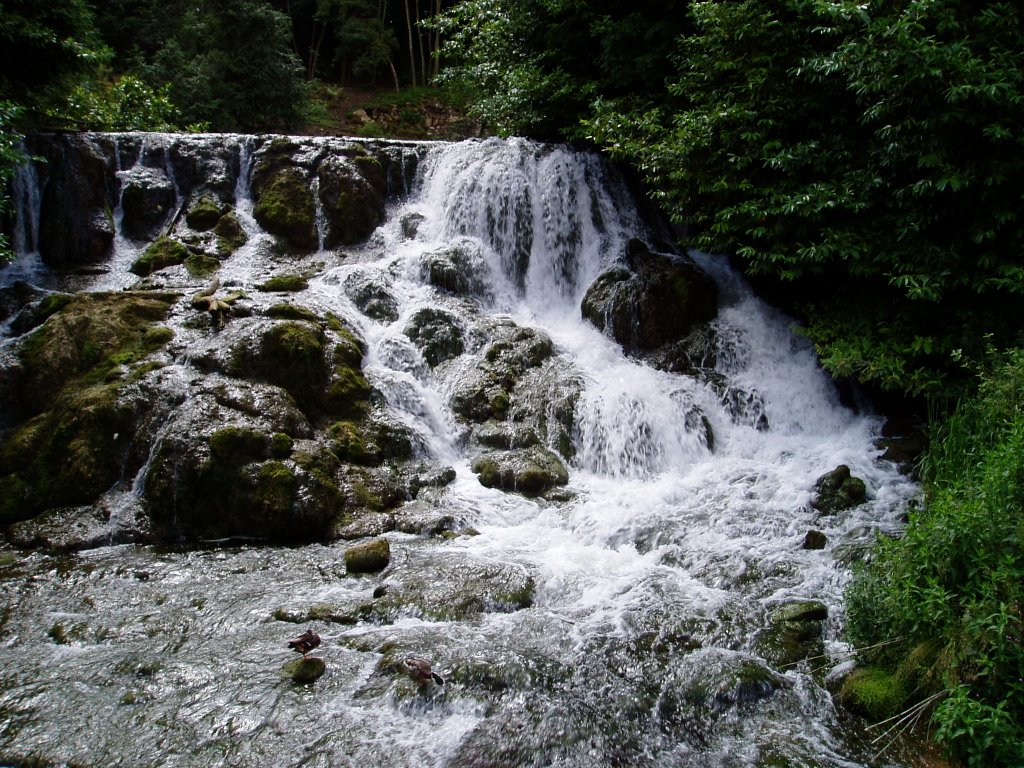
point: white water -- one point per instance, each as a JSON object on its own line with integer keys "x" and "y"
{"x": 662, "y": 535}
{"x": 660, "y": 525}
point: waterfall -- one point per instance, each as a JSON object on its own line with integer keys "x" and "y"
{"x": 628, "y": 616}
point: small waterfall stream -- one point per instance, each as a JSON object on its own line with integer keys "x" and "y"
{"x": 647, "y": 638}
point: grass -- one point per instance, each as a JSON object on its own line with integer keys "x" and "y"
{"x": 952, "y": 587}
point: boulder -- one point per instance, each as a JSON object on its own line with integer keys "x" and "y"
{"x": 437, "y": 334}
{"x": 368, "y": 557}
{"x": 162, "y": 252}
{"x": 838, "y": 490}
{"x": 204, "y": 213}
{"x": 351, "y": 193}
{"x": 284, "y": 206}
{"x": 531, "y": 471}
{"x": 653, "y": 301}
{"x": 373, "y": 299}
{"x": 305, "y": 670}
{"x": 76, "y": 222}
{"x": 147, "y": 200}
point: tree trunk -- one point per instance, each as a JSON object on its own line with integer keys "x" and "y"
{"x": 412, "y": 53}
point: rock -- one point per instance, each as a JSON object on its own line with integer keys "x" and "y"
{"x": 838, "y": 490}
{"x": 371, "y": 297}
{"x": 304, "y": 671}
{"x": 284, "y": 206}
{"x": 531, "y": 471}
{"x": 147, "y": 200}
{"x": 658, "y": 300}
{"x": 444, "y": 586}
{"x": 76, "y": 223}
{"x": 283, "y": 284}
{"x": 411, "y": 224}
{"x": 437, "y": 334}
{"x": 73, "y": 427}
{"x": 205, "y": 213}
{"x": 815, "y": 540}
{"x": 368, "y": 557}
{"x": 351, "y": 192}
{"x": 794, "y": 632}
{"x": 162, "y": 252}
{"x": 230, "y": 234}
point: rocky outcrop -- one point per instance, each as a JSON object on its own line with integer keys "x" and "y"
{"x": 76, "y": 222}
{"x": 652, "y": 301}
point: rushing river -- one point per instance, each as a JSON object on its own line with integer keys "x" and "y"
{"x": 647, "y": 636}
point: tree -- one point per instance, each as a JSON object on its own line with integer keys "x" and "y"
{"x": 877, "y": 164}
{"x": 230, "y": 65}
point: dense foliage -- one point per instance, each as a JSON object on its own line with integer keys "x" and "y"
{"x": 946, "y": 601}
{"x": 866, "y": 153}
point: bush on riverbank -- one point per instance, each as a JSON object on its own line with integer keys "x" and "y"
{"x": 946, "y": 599}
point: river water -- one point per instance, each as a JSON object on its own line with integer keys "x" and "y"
{"x": 646, "y": 639}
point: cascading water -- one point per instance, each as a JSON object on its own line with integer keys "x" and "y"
{"x": 629, "y": 619}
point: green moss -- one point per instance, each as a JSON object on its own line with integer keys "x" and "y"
{"x": 14, "y": 498}
{"x": 348, "y": 391}
{"x": 200, "y": 264}
{"x": 238, "y": 444}
{"x": 280, "y": 445}
{"x": 284, "y": 207}
{"x": 873, "y": 693}
{"x": 276, "y": 485}
{"x": 162, "y": 252}
{"x": 368, "y": 557}
{"x": 349, "y": 444}
{"x": 204, "y": 215}
{"x": 284, "y": 284}
{"x": 230, "y": 234}
{"x": 291, "y": 312}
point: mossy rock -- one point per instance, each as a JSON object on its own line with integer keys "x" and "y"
{"x": 304, "y": 671}
{"x": 230, "y": 234}
{"x": 162, "y": 252}
{"x": 37, "y": 313}
{"x": 284, "y": 284}
{"x": 205, "y": 213}
{"x": 201, "y": 264}
{"x": 284, "y": 207}
{"x": 873, "y": 693}
{"x": 348, "y": 391}
{"x": 368, "y": 557}
{"x": 531, "y": 471}
{"x": 239, "y": 444}
{"x": 658, "y": 300}
{"x": 92, "y": 336}
{"x": 291, "y": 312}
{"x": 290, "y": 355}
{"x": 437, "y": 334}
{"x": 352, "y": 199}
{"x": 838, "y": 490}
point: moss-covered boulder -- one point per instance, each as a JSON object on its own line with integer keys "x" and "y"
{"x": 656, "y": 300}
{"x": 290, "y": 355}
{"x": 73, "y": 427}
{"x": 368, "y": 557}
{"x": 284, "y": 284}
{"x": 351, "y": 194}
{"x": 304, "y": 671}
{"x": 230, "y": 234}
{"x": 794, "y": 632}
{"x": 162, "y": 252}
{"x": 204, "y": 213}
{"x": 284, "y": 206}
{"x": 201, "y": 264}
{"x": 531, "y": 471}
{"x": 437, "y": 334}
{"x": 838, "y": 490}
